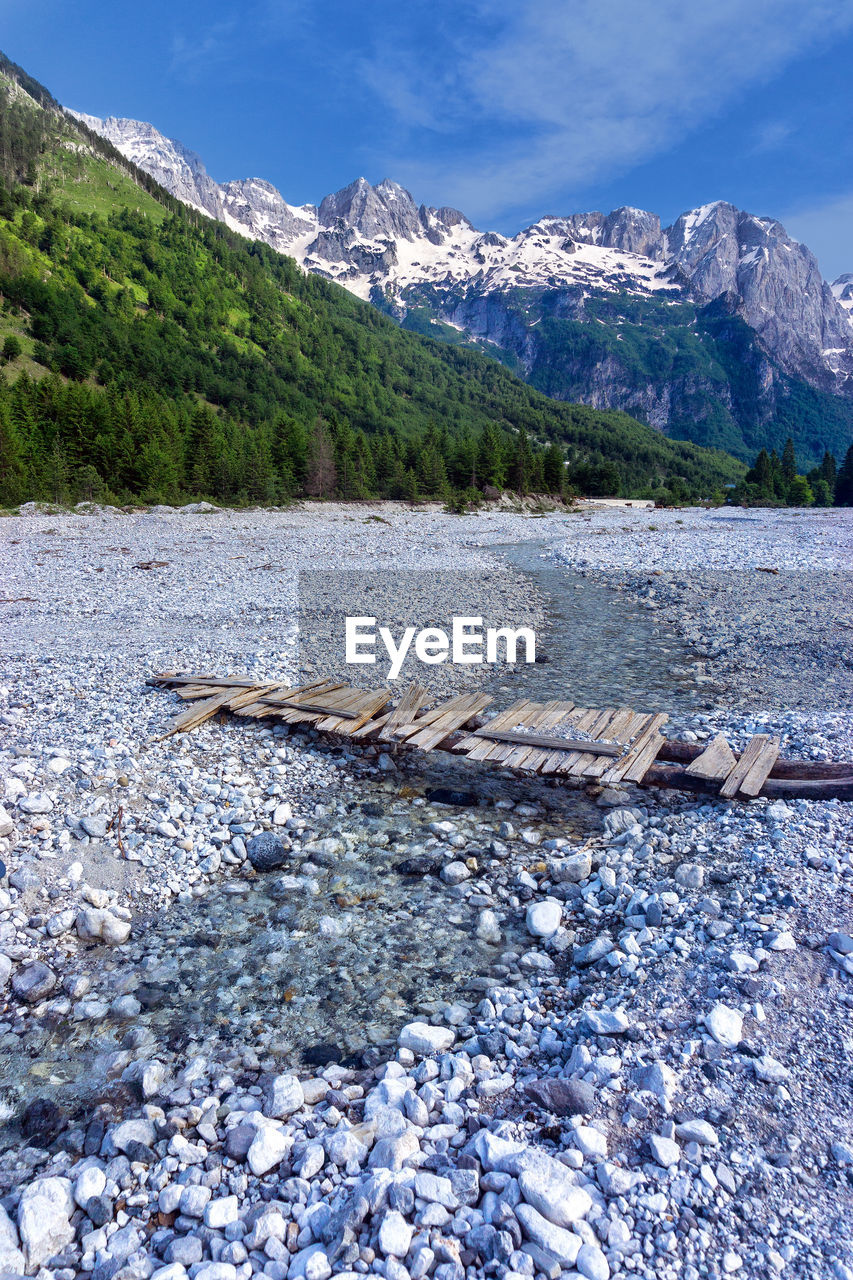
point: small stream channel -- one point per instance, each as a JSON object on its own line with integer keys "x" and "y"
{"x": 326, "y": 962}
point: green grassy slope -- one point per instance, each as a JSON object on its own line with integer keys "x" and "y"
{"x": 161, "y": 354}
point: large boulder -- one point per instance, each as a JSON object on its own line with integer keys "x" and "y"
{"x": 44, "y": 1224}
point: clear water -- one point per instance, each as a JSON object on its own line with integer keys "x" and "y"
{"x": 307, "y": 978}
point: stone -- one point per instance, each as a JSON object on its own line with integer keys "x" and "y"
{"x": 454, "y": 873}
{"x": 562, "y": 1097}
{"x": 44, "y": 1220}
{"x": 656, "y": 1078}
{"x": 282, "y": 1096}
{"x": 563, "y": 1244}
{"x": 593, "y": 951}
{"x": 842, "y": 943}
{"x": 95, "y": 827}
{"x": 725, "y": 1025}
{"x": 606, "y": 1022}
{"x": 11, "y": 1257}
{"x": 97, "y": 924}
{"x": 488, "y": 926}
{"x": 266, "y": 852}
{"x": 554, "y": 1195}
{"x": 424, "y": 1039}
{"x": 592, "y": 1263}
{"x": 543, "y": 918}
{"x": 268, "y": 1149}
{"x": 5, "y": 970}
{"x": 91, "y": 1182}
{"x": 590, "y": 1141}
{"x": 35, "y": 981}
{"x": 767, "y": 1068}
{"x": 133, "y": 1131}
{"x": 7, "y": 826}
{"x": 571, "y": 870}
{"x": 690, "y": 875}
{"x": 699, "y": 1131}
{"x": 664, "y": 1150}
{"x": 395, "y": 1234}
{"x": 220, "y": 1213}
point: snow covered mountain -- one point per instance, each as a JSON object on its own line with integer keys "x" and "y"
{"x": 717, "y": 276}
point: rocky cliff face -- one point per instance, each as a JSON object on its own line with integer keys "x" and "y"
{"x": 620, "y": 272}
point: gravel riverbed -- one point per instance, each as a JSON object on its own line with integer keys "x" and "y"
{"x": 535, "y": 1031}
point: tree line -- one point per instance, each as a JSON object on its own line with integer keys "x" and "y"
{"x": 774, "y": 481}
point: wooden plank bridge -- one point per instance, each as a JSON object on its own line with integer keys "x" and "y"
{"x": 594, "y": 745}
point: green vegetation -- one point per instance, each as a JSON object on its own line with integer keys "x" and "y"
{"x": 707, "y": 361}
{"x": 774, "y": 482}
{"x": 161, "y": 356}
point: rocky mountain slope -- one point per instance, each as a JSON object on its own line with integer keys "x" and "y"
{"x": 718, "y": 328}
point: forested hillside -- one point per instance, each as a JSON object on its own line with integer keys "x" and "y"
{"x": 149, "y": 352}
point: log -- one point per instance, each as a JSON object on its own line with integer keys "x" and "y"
{"x": 549, "y": 743}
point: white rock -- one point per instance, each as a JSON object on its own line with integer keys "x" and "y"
{"x": 424, "y": 1039}
{"x": 564, "y": 1245}
{"x": 554, "y": 1195}
{"x": 222, "y": 1212}
{"x": 769, "y": 1069}
{"x": 281, "y": 814}
{"x": 395, "y": 1235}
{"x": 43, "y": 1220}
{"x": 590, "y": 1141}
{"x": 96, "y": 924}
{"x": 592, "y": 1263}
{"x": 699, "y": 1131}
{"x": 11, "y": 1257}
{"x": 7, "y": 826}
{"x": 282, "y": 1096}
{"x": 269, "y": 1147}
{"x": 606, "y": 1022}
{"x": 543, "y": 918}
{"x": 664, "y": 1150}
{"x": 91, "y": 1182}
{"x": 725, "y": 1025}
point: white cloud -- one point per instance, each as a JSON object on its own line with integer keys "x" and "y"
{"x": 581, "y": 90}
{"x": 828, "y": 231}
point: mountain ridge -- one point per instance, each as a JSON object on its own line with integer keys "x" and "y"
{"x": 598, "y": 280}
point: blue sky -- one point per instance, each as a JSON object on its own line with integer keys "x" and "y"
{"x": 505, "y": 110}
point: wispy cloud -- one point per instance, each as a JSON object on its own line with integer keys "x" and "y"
{"x": 770, "y": 136}
{"x": 197, "y": 54}
{"x": 544, "y": 95}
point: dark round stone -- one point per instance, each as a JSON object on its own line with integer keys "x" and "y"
{"x": 139, "y": 1153}
{"x": 43, "y": 1121}
{"x": 654, "y": 915}
{"x": 371, "y": 809}
{"x": 266, "y": 852}
{"x": 100, "y": 1210}
{"x": 444, "y": 795}
{"x": 320, "y": 1055}
{"x": 563, "y": 1097}
{"x": 2, "y": 869}
{"x": 422, "y": 865}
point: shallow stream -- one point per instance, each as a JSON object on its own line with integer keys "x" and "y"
{"x": 326, "y": 962}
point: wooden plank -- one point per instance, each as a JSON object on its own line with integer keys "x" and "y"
{"x": 355, "y": 717}
{"x": 245, "y": 697}
{"x": 197, "y": 714}
{"x": 479, "y": 750}
{"x": 716, "y": 761}
{"x": 190, "y": 692}
{"x": 587, "y": 755}
{"x": 267, "y": 706}
{"x": 623, "y": 729}
{"x": 502, "y": 751}
{"x": 545, "y": 741}
{"x": 337, "y": 702}
{"x": 405, "y": 711}
{"x": 428, "y": 739}
{"x": 434, "y": 714}
{"x": 529, "y": 747}
{"x": 749, "y": 757}
{"x": 645, "y": 757}
{"x": 624, "y": 767}
{"x": 579, "y": 718}
{"x": 760, "y": 770}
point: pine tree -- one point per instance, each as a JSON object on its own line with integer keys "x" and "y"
{"x": 789, "y": 461}
{"x": 844, "y": 481}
